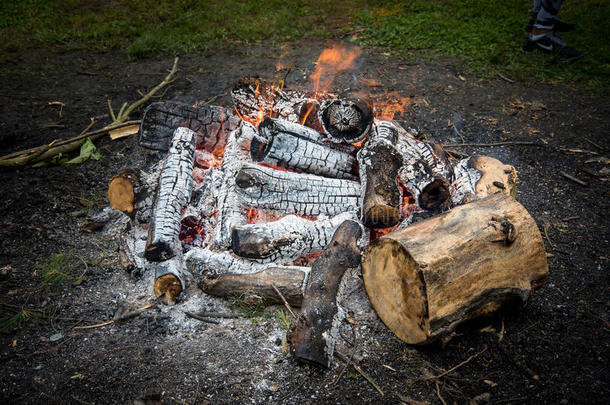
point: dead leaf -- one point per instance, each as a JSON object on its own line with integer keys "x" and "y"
{"x": 124, "y": 132}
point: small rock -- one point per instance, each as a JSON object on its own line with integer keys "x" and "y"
{"x": 481, "y": 399}
{"x": 55, "y": 337}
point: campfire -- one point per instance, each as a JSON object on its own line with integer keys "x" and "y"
{"x": 280, "y": 194}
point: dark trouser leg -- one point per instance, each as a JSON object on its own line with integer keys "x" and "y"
{"x": 547, "y": 14}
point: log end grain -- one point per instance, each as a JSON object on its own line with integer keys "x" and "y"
{"x": 169, "y": 285}
{"x": 122, "y": 190}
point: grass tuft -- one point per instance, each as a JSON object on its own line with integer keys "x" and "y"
{"x": 60, "y": 271}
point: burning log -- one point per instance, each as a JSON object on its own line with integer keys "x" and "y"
{"x": 169, "y": 279}
{"x": 295, "y": 193}
{"x": 286, "y": 239}
{"x": 296, "y": 147}
{"x": 126, "y": 190}
{"x": 258, "y": 287}
{"x": 346, "y": 120}
{"x": 205, "y": 262}
{"x": 252, "y": 97}
{"x": 313, "y": 334}
{"x": 477, "y": 177}
{"x": 230, "y": 211}
{"x": 390, "y": 153}
{"x": 210, "y": 122}
{"x": 173, "y": 193}
{"x": 426, "y": 279}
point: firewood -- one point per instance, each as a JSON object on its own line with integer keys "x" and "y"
{"x": 173, "y": 193}
{"x": 426, "y": 279}
{"x": 346, "y": 120}
{"x": 252, "y": 97}
{"x": 308, "y": 115}
{"x": 230, "y": 210}
{"x": 258, "y": 287}
{"x": 296, "y": 147}
{"x": 477, "y": 177}
{"x": 126, "y": 190}
{"x": 211, "y": 123}
{"x": 286, "y": 239}
{"x": 389, "y": 153}
{"x": 204, "y": 262}
{"x": 312, "y": 336}
{"x": 169, "y": 279}
{"x": 295, "y": 193}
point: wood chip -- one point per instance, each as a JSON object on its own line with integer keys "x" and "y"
{"x": 124, "y": 132}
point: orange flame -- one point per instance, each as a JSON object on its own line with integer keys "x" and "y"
{"x": 331, "y": 62}
{"x": 252, "y": 215}
{"x": 394, "y": 104}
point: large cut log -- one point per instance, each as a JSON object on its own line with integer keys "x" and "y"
{"x": 295, "y": 193}
{"x": 211, "y": 123}
{"x": 426, "y": 279}
{"x": 346, "y": 120}
{"x": 231, "y": 212}
{"x": 205, "y": 262}
{"x": 170, "y": 279}
{"x": 286, "y": 239}
{"x": 479, "y": 176}
{"x": 312, "y": 336}
{"x": 296, "y": 147}
{"x": 173, "y": 193}
{"x": 258, "y": 287}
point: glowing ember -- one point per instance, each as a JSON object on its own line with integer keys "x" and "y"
{"x": 408, "y": 205}
{"x": 191, "y": 231}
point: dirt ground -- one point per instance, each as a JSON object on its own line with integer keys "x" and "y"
{"x": 554, "y": 350}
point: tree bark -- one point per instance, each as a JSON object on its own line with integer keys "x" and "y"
{"x": 286, "y": 239}
{"x": 426, "y": 279}
{"x": 173, "y": 193}
{"x": 211, "y": 123}
{"x": 346, "y": 120}
{"x": 313, "y": 334}
{"x": 258, "y": 287}
{"x": 302, "y": 149}
{"x": 295, "y": 193}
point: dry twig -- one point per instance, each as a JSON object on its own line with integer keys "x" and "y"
{"x": 452, "y": 369}
{"x": 574, "y": 179}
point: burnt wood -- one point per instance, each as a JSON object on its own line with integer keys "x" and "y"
{"x": 346, "y": 120}
{"x": 211, "y": 123}
{"x": 312, "y": 336}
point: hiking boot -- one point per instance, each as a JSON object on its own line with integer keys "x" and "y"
{"x": 551, "y": 43}
{"x": 558, "y": 26}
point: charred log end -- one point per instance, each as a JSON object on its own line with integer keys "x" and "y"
{"x": 169, "y": 285}
{"x": 346, "y": 120}
{"x": 381, "y": 216}
{"x": 435, "y": 195}
{"x": 258, "y": 149}
{"x": 396, "y": 290}
{"x": 244, "y": 179}
{"x": 250, "y": 245}
{"x": 305, "y": 346}
{"x": 158, "y": 252}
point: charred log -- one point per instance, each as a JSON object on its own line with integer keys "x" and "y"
{"x": 230, "y": 210}
{"x": 312, "y": 336}
{"x": 169, "y": 279}
{"x": 258, "y": 287}
{"x": 346, "y": 120}
{"x": 173, "y": 193}
{"x": 211, "y": 123}
{"x": 205, "y": 262}
{"x": 477, "y": 177}
{"x": 426, "y": 279}
{"x": 300, "y": 148}
{"x": 285, "y": 240}
{"x": 295, "y": 193}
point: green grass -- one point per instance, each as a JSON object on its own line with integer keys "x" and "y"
{"x": 60, "y": 271}
{"x": 483, "y": 36}
{"x": 487, "y": 35}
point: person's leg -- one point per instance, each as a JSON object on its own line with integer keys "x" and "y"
{"x": 547, "y": 14}
{"x": 542, "y": 35}
{"x": 534, "y": 14}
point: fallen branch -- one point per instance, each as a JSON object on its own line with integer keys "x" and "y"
{"x": 128, "y": 315}
{"x": 507, "y": 143}
{"x": 360, "y": 371}
{"x": 452, "y": 369}
{"x": 574, "y": 179}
